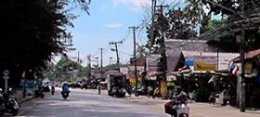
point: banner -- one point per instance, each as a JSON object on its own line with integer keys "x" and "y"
{"x": 205, "y": 63}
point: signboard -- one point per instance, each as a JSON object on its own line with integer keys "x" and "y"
{"x": 248, "y": 68}
{"x": 224, "y": 60}
{"x": 124, "y": 70}
{"x": 205, "y": 63}
{"x": 189, "y": 62}
{"x": 163, "y": 88}
{"x": 153, "y": 62}
{"x": 6, "y": 72}
{"x": 132, "y": 80}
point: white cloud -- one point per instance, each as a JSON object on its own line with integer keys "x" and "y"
{"x": 137, "y": 4}
{"x": 114, "y": 25}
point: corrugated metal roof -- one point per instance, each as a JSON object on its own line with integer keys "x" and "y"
{"x": 252, "y": 54}
{"x": 249, "y": 55}
{"x": 139, "y": 61}
{"x": 175, "y": 46}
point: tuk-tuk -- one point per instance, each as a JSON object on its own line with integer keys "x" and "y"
{"x": 116, "y": 83}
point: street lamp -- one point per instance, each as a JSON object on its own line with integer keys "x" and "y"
{"x": 117, "y": 56}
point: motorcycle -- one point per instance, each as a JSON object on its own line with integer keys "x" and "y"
{"x": 65, "y": 94}
{"x": 138, "y": 92}
{"x": 8, "y": 103}
{"x": 177, "y": 109}
{"x": 183, "y": 110}
{"x": 39, "y": 92}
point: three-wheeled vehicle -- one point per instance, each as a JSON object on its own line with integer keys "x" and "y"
{"x": 116, "y": 83}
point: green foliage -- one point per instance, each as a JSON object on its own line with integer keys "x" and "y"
{"x": 180, "y": 26}
{"x": 211, "y": 26}
{"x": 111, "y": 66}
{"x": 34, "y": 31}
{"x": 67, "y": 69}
{"x": 173, "y": 26}
{"x": 225, "y": 30}
{"x": 194, "y": 10}
{"x": 232, "y": 5}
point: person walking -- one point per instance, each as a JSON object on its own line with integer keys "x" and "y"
{"x": 52, "y": 89}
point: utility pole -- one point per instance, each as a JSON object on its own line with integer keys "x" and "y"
{"x": 101, "y": 69}
{"x": 152, "y": 25}
{"x": 163, "y": 61}
{"x": 134, "y": 28}
{"x": 116, "y": 44}
{"x": 89, "y": 66}
{"x": 242, "y": 59}
{"x": 162, "y": 44}
{"x": 101, "y": 62}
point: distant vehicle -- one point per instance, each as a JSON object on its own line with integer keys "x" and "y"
{"x": 30, "y": 87}
{"x": 65, "y": 91}
{"x": 46, "y": 87}
{"x": 116, "y": 83}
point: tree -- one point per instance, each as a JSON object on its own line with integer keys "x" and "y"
{"x": 34, "y": 31}
{"x": 195, "y": 11}
{"x": 181, "y": 26}
{"x": 232, "y": 13}
{"x": 174, "y": 23}
{"x": 141, "y": 51}
{"x": 65, "y": 67}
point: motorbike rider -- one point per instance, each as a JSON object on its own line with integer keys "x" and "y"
{"x": 52, "y": 89}
{"x": 65, "y": 87}
{"x": 183, "y": 97}
{"x": 177, "y": 101}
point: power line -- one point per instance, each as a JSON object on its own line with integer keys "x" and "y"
{"x": 126, "y": 35}
{"x": 141, "y": 27}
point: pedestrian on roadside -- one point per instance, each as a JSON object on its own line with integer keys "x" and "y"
{"x": 52, "y": 89}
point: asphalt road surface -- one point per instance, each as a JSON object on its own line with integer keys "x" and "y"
{"x": 86, "y": 103}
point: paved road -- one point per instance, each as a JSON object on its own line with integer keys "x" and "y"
{"x": 86, "y": 103}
